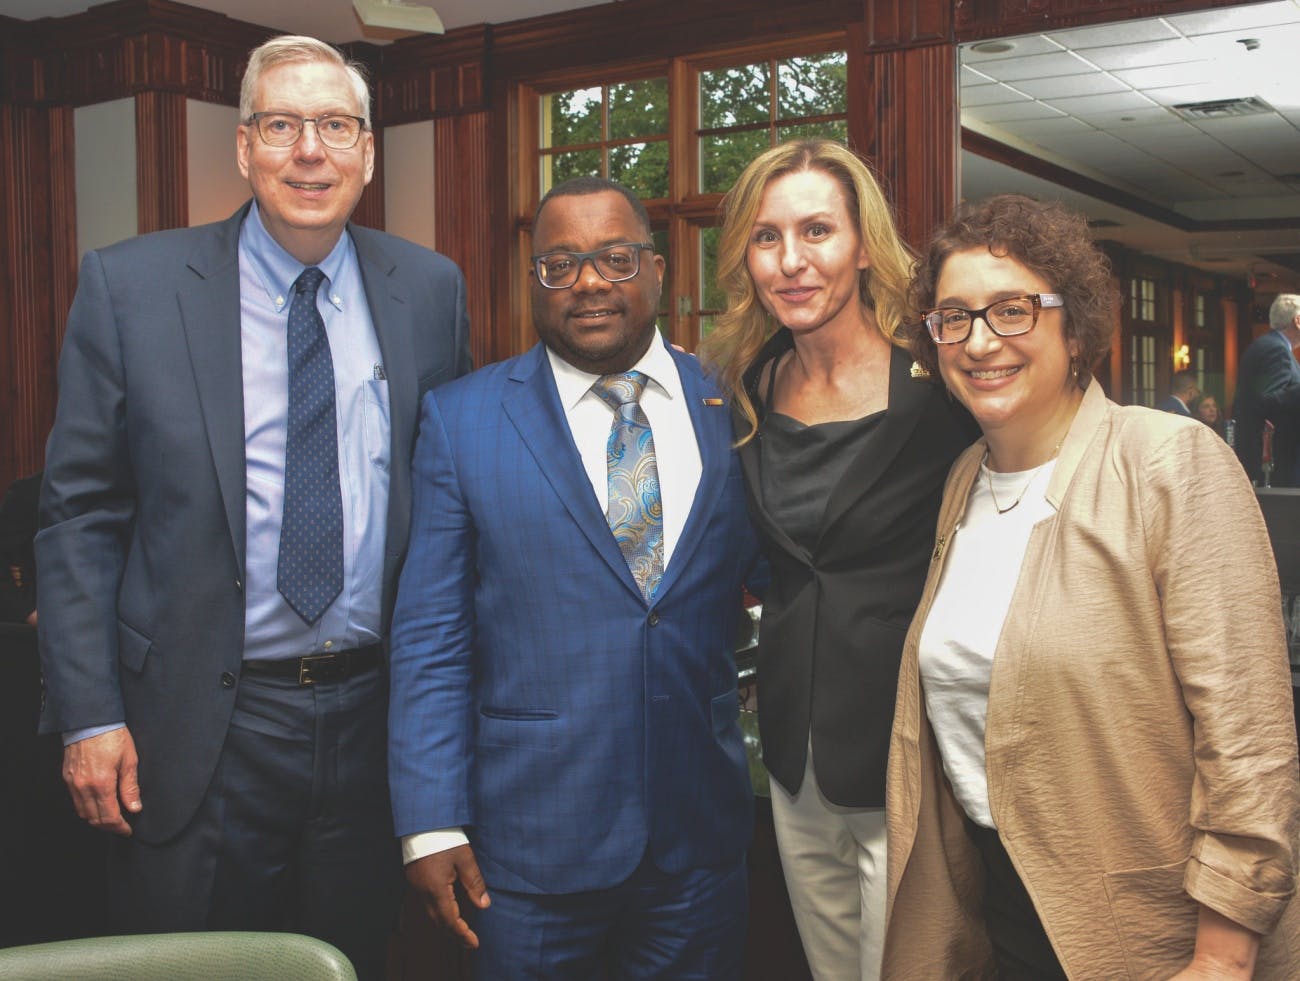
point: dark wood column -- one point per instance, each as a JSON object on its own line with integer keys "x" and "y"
{"x": 161, "y": 161}
{"x": 462, "y": 211}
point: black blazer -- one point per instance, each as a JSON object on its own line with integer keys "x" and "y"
{"x": 834, "y": 619}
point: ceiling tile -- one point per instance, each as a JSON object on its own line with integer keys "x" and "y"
{"x": 991, "y": 95}
{"x": 1111, "y": 102}
{"x": 1222, "y": 88}
{"x": 1070, "y": 85}
{"x": 1029, "y": 109}
{"x": 1036, "y": 66}
{"x": 1027, "y": 45}
{"x": 1168, "y": 76}
{"x": 1236, "y": 17}
{"x": 1144, "y": 54}
{"x": 1108, "y": 35}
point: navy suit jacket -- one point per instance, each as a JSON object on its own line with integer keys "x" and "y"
{"x": 537, "y": 699}
{"x": 1173, "y": 404}
{"x": 141, "y": 550}
{"x": 1268, "y": 387}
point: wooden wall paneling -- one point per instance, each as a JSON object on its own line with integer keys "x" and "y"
{"x": 63, "y": 224}
{"x": 162, "y": 163}
{"x": 27, "y": 392}
{"x": 908, "y": 129}
{"x": 905, "y": 23}
{"x": 432, "y": 75}
{"x": 370, "y": 209}
{"x": 462, "y": 215}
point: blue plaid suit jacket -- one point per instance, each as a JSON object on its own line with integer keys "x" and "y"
{"x": 537, "y": 699}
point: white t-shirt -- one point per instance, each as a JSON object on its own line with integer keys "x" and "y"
{"x": 961, "y": 633}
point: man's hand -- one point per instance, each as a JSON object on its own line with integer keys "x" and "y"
{"x": 435, "y": 876}
{"x": 101, "y": 776}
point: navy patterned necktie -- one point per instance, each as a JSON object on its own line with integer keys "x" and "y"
{"x": 310, "y": 571}
{"x": 634, "y": 510}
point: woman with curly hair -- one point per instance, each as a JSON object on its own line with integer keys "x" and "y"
{"x": 1092, "y": 773}
{"x": 844, "y": 453}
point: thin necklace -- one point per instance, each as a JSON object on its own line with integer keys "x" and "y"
{"x": 988, "y": 479}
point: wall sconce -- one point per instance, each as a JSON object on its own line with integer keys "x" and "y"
{"x": 1182, "y": 357}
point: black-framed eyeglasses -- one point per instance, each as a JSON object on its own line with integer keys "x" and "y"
{"x": 336, "y": 130}
{"x": 1006, "y": 317}
{"x": 614, "y": 263}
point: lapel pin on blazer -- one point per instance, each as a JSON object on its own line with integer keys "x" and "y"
{"x": 712, "y": 401}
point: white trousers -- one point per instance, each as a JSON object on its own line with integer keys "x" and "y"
{"x": 833, "y": 858}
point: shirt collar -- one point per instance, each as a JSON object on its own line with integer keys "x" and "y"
{"x": 656, "y": 364}
{"x": 277, "y": 270}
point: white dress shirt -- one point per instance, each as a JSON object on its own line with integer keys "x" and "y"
{"x": 677, "y": 458}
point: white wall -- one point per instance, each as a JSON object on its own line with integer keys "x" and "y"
{"x": 407, "y": 160}
{"x": 215, "y": 187}
{"x": 107, "y": 209}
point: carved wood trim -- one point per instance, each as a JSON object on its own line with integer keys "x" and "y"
{"x": 462, "y": 213}
{"x": 162, "y": 161}
{"x": 906, "y": 23}
{"x": 974, "y": 20}
{"x": 909, "y": 126}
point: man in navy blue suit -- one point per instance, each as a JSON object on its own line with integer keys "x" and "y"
{"x": 1183, "y": 391}
{"x": 225, "y": 720}
{"x": 1268, "y": 389}
{"x": 563, "y": 723}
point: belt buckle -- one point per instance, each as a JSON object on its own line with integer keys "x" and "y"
{"x": 325, "y": 661}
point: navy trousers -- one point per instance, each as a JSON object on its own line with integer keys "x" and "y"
{"x": 687, "y": 927}
{"x": 295, "y": 833}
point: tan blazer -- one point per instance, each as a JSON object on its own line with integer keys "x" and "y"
{"x": 1141, "y": 749}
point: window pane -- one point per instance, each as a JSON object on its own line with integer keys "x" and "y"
{"x": 557, "y": 167}
{"x": 812, "y": 86}
{"x": 571, "y": 117}
{"x": 711, "y": 296}
{"x": 834, "y": 129}
{"x": 733, "y": 96}
{"x": 706, "y": 327}
{"x": 638, "y": 108}
{"x": 642, "y": 167}
{"x": 722, "y": 158}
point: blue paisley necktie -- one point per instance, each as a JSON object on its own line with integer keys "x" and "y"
{"x": 635, "y": 511}
{"x": 310, "y": 571}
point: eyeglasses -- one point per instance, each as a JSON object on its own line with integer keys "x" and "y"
{"x": 336, "y": 131}
{"x": 1006, "y": 318}
{"x": 614, "y": 263}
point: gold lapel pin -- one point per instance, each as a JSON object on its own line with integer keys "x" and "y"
{"x": 712, "y": 401}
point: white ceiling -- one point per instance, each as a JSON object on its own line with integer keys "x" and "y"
{"x": 1100, "y": 101}
{"x": 1097, "y": 101}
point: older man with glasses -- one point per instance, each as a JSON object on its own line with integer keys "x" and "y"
{"x": 225, "y": 510}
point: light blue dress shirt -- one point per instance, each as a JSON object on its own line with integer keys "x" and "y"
{"x": 266, "y": 277}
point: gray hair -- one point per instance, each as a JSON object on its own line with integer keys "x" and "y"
{"x": 1282, "y": 313}
{"x": 292, "y": 49}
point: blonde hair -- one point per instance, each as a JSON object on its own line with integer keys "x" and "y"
{"x": 745, "y": 326}
{"x": 297, "y": 49}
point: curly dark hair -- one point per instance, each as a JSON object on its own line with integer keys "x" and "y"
{"x": 1049, "y": 240}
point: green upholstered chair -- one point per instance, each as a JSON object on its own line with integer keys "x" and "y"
{"x": 179, "y": 957}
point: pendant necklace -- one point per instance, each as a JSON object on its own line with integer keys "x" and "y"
{"x": 988, "y": 479}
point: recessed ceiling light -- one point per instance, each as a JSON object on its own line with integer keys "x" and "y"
{"x": 994, "y": 47}
{"x": 1128, "y": 119}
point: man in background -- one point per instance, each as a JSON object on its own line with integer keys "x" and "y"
{"x": 1268, "y": 388}
{"x": 563, "y": 728}
{"x": 1183, "y": 391}
{"x": 225, "y": 510}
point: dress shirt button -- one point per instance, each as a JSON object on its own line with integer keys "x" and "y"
{"x": 239, "y": 585}
{"x": 329, "y": 644}
{"x": 654, "y": 619}
{"x": 227, "y": 680}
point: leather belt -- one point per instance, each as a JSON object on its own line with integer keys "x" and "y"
{"x": 315, "y": 669}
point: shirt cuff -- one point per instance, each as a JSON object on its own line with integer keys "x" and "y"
{"x": 427, "y": 843}
{"x": 77, "y": 735}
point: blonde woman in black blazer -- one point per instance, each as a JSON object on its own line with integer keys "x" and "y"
{"x": 845, "y": 450}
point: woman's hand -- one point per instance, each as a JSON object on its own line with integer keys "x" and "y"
{"x": 1225, "y": 950}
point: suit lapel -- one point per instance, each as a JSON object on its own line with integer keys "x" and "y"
{"x": 533, "y": 406}
{"x": 391, "y": 313}
{"x": 712, "y": 425}
{"x": 209, "y": 308}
